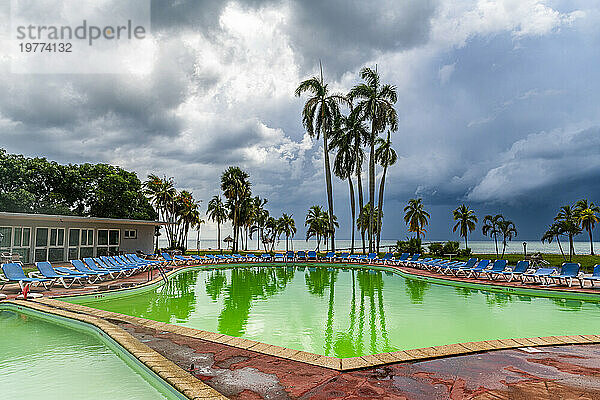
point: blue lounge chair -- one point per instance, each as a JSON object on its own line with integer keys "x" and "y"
{"x": 595, "y": 276}
{"x": 83, "y": 268}
{"x": 169, "y": 260}
{"x": 539, "y": 276}
{"x": 412, "y": 259}
{"x": 312, "y": 256}
{"x": 136, "y": 258}
{"x": 114, "y": 272}
{"x": 475, "y": 270}
{"x": 388, "y": 258}
{"x": 301, "y": 256}
{"x": 251, "y": 257}
{"x": 343, "y": 257}
{"x": 403, "y": 257}
{"x": 518, "y": 271}
{"x": 371, "y": 257}
{"x": 108, "y": 263}
{"x": 200, "y": 259}
{"x": 183, "y": 260}
{"x": 290, "y": 256}
{"x": 426, "y": 263}
{"x": 13, "y": 272}
{"x": 498, "y": 268}
{"x": 48, "y": 272}
{"x": 239, "y": 258}
{"x": 278, "y": 257}
{"x": 353, "y": 258}
{"x": 470, "y": 263}
{"x": 568, "y": 272}
{"x": 121, "y": 261}
{"x": 266, "y": 257}
{"x": 330, "y": 256}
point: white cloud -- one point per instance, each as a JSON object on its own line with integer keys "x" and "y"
{"x": 446, "y": 72}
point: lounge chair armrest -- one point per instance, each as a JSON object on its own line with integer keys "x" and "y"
{"x": 35, "y": 275}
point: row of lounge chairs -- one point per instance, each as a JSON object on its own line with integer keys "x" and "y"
{"x": 289, "y": 256}
{"x": 88, "y": 270}
{"x": 499, "y": 270}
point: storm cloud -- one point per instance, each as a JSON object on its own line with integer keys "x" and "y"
{"x": 498, "y": 103}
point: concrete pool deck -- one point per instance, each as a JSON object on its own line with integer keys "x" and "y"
{"x": 240, "y": 368}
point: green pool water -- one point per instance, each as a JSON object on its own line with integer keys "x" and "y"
{"x": 43, "y": 359}
{"x": 350, "y": 312}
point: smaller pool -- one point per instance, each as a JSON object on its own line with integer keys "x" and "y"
{"x": 50, "y": 358}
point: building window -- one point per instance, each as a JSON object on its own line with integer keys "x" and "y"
{"x": 16, "y": 240}
{"x": 108, "y": 241}
{"x": 130, "y": 234}
{"x": 49, "y": 244}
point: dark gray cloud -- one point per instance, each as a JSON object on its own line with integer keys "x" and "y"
{"x": 497, "y": 108}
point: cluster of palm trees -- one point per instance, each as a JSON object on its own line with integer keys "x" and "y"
{"x": 371, "y": 112}
{"x": 317, "y": 225}
{"x": 179, "y": 209}
{"x": 247, "y": 214}
{"x": 572, "y": 220}
{"x": 494, "y": 226}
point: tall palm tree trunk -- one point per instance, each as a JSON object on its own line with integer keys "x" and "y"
{"x": 591, "y": 242}
{"x": 360, "y": 201}
{"x": 380, "y": 206}
{"x": 219, "y": 235}
{"x": 329, "y": 188}
{"x": 372, "y": 187}
{"x": 466, "y": 243}
{"x": 352, "y": 210}
{"x": 571, "y": 247}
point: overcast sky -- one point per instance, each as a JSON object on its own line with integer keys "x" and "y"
{"x": 498, "y": 101}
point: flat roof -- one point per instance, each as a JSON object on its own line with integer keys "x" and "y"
{"x": 75, "y": 218}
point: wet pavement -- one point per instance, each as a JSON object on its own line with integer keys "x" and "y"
{"x": 556, "y": 372}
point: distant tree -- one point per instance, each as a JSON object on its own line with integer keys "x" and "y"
{"x": 491, "y": 228}
{"x": 466, "y": 220}
{"x": 287, "y": 226}
{"x": 554, "y": 231}
{"x": 236, "y": 189}
{"x": 568, "y": 221}
{"x": 416, "y": 217}
{"x": 217, "y": 212}
{"x": 586, "y": 214}
{"x": 508, "y": 231}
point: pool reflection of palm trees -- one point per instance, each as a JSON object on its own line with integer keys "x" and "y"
{"x": 176, "y": 299}
{"x": 351, "y": 340}
{"x": 245, "y": 285}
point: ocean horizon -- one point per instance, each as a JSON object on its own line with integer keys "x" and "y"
{"x": 477, "y": 246}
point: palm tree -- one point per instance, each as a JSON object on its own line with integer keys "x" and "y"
{"x": 508, "y": 231}
{"x": 162, "y": 193}
{"x": 364, "y": 218}
{"x": 466, "y": 220}
{"x": 236, "y": 188}
{"x": 554, "y": 231}
{"x": 586, "y": 214}
{"x": 318, "y": 117}
{"x": 491, "y": 227}
{"x": 217, "y": 212}
{"x": 314, "y": 222}
{"x": 415, "y": 216}
{"x": 376, "y": 105}
{"x": 344, "y": 164}
{"x": 386, "y": 156}
{"x": 259, "y": 217}
{"x": 569, "y": 223}
{"x": 287, "y": 226}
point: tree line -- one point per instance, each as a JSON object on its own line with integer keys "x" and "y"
{"x": 36, "y": 185}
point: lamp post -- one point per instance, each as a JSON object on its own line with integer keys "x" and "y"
{"x": 525, "y": 249}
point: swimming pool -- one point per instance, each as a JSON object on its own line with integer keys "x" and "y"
{"x": 346, "y": 311}
{"x": 48, "y": 357}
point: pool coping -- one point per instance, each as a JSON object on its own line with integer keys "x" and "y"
{"x": 335, "y": 363}
{"x": 180, "y": 380}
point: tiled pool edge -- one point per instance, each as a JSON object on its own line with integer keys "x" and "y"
{"x": 339, "y": 364}
{"x": 182, "y": 381}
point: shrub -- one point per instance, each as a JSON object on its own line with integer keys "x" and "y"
{"x": 436, "y": 249}
{"x": 451, "y": 247}
{"x": 465, "y": 252}
{"x": 412, "y": 245}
